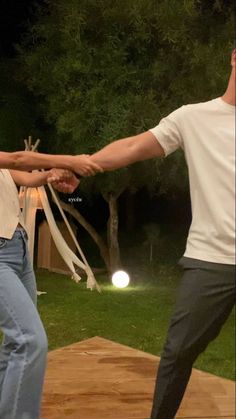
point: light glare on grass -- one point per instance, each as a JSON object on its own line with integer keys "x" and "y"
{"x": 120, "y": 279}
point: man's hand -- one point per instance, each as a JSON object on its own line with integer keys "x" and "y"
{"x": 84, "y": 166}
{"x": 63, "y": 180}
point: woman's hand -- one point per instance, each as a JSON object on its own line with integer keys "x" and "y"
{"x": 63, "y": 180}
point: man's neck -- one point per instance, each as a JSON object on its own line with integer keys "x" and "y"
{"x": 228, "y": 98}
{"x": 229, "y": 95}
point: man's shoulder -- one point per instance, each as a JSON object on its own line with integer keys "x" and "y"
{"x": 188, "y": 112}
{"x": 209, "y": 105}
{"x": 194, "y": 107}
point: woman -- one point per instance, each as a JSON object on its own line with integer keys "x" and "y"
{"x": 24, "y": 348}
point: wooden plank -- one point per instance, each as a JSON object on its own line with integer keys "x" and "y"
{"x": 99, "y": 379}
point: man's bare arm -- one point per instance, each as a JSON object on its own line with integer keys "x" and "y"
{"x": 129, "y": 150}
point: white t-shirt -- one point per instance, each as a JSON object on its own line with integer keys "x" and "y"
{"x": 206, "y": 133}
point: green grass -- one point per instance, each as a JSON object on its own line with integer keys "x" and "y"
{"x": 137, "y": 316}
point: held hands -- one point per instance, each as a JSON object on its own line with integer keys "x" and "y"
{"x": 65, "y": 180}
{"x": 62, "y": 180}
{"x": 84, "y": 166}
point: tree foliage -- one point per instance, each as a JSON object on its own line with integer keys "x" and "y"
{"x": 109, "y": 69}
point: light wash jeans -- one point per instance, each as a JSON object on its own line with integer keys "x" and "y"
{"x": 24, "y": 349}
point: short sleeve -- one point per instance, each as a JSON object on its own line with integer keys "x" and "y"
{"x": 168, "y": 131}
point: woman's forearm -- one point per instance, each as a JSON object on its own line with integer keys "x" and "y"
{"x": 31, "y": 180}
{"x": 38, "y": 179}
{"x": 29, "y": 160}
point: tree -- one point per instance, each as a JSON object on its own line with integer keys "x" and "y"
{"x": 107, "y": 69}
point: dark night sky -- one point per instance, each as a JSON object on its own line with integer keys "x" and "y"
{"x": 14, "y": 15}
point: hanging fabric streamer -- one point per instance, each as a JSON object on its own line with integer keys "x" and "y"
{"x": 30, "y": 199}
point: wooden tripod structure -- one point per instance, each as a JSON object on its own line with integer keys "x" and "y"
{"x": 34, "y": 198}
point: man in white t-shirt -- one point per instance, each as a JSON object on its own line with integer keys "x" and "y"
{"x": 205, "y": 132}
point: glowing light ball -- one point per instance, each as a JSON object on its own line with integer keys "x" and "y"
{"x": 120, "y": 279}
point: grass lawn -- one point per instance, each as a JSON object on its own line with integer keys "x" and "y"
{"x": 137, "y": 316}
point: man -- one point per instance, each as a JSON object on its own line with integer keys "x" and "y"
{"x": 205, "y": 132}
{"x": 24, "y": 349}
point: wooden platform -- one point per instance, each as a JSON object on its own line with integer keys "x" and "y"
{"x": 97, "y": 378}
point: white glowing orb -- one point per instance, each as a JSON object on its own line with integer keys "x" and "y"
{"x": 120, "y": 279}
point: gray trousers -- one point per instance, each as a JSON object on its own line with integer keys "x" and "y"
{"x": 205, "y": 300}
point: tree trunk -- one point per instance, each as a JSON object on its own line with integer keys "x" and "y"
{"x": 104, "y": 252}
{"x": 112, "y": 232}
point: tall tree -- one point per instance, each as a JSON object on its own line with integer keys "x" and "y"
{"x": 112, "y": 68}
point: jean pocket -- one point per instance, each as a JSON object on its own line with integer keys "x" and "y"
{"x": 2, "y": 242}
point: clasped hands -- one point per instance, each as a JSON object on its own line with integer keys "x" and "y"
{"x": 65, "y": 180}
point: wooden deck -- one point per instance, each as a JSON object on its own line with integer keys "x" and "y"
{"x": 97, "y": 378}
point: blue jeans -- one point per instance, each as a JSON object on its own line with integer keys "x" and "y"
{"x": 24, "y": 349}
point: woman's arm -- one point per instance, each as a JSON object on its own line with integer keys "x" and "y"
{"x": 62, "y": 180}
{"x": 30, "y": 180}
{"x": 29, "y": 160}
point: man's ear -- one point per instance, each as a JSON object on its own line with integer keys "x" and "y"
{"x": 233, "y": 58}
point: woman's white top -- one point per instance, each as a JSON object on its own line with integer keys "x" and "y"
{"x": 10, "y": 212}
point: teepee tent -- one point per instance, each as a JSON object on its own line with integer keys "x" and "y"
{"x": 33, "y": 198}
